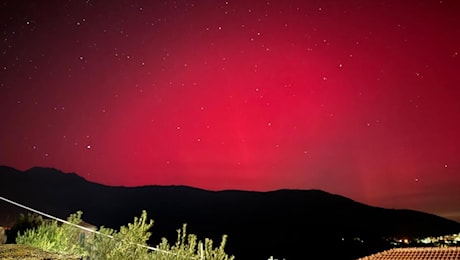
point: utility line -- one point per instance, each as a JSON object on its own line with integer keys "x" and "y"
{"x": 75, "y": 225}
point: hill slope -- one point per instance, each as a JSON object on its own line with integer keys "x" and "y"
{"x": 283, "y": 223}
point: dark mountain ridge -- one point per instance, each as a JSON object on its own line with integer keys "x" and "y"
{"x": 284, "y": 223}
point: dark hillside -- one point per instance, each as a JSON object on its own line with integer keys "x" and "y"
{"x": 283, "y": 223}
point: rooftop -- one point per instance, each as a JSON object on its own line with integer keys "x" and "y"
{"x": 417, "y": 253}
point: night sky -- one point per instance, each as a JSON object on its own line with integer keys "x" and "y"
{"x": 355, "y": 97}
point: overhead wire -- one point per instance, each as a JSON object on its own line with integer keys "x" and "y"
{"x": 75, "y": 225}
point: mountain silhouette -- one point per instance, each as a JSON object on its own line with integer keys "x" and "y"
{"x": 290, "y": 224}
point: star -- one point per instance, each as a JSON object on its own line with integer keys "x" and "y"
{"x": 180, "y": 92}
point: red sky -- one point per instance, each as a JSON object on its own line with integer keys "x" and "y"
{"x": 354, "y": 97}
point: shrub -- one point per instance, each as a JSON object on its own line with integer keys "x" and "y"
{"x": 188, "y": 247}
{"x": 52, "y": 237}
{"x": 130, "y": 242}
{"x": 23, "y": 223}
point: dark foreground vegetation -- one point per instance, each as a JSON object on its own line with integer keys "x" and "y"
{"x": 49, "y": 239}
{"x": 290, "y": 224}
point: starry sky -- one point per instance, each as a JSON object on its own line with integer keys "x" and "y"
{"x": 354, "y": 97}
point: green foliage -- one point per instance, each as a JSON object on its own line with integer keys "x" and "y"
{"x": 54, "y": 238}
{"x": 101, "y": 245}
{"x": 23, "y": 223}
{"x": 130, "y": 242}
{"x": 188, "y": 247}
